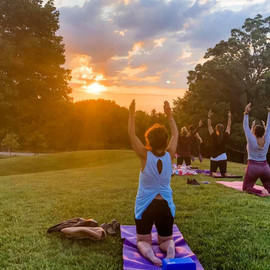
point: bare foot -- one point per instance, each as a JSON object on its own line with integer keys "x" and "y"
{"x": 157, "y": 262}
{"x": 150, "y": 256}
{"x": 170, "y": 253}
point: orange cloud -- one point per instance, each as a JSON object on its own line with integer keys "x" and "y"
{"x": 132, "y": 72}
{"x": 159, "y": 42}
{"x": 83, "y": 76}
{"x": 135, "y": 74}
{"x": 136, "y": 49}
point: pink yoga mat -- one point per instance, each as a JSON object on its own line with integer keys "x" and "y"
{"x": 133, "y": 260}
{"x": 238, "y": 185}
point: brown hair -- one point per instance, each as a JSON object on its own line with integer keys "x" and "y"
{"x": 219, "y": 131}
{"x": 184, "y": 132}
{"x": 259, "y": 131}
{"x": 156, "y": 138}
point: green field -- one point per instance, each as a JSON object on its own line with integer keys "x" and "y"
{"x": 227, "y": 229}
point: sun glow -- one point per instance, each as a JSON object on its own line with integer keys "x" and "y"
{"x": 94, "y": 88}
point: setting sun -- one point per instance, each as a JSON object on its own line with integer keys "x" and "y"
{"x": 94, "y": 88}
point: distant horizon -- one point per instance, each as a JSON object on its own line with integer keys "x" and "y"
{"x": 144, "y": 101}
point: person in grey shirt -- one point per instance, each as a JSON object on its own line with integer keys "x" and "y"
{"x": 258, "y": 140}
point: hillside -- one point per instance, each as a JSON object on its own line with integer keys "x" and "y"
{"x": 225, "y": 228}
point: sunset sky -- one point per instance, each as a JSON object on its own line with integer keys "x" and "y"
{"x": 143, "y": 49}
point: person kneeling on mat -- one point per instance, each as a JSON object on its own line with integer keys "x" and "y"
{"x": 258, "y": 141}
{"x": 219, "y": 141}
{"x": 154, "y": 202}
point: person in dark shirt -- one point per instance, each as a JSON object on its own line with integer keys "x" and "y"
{"x": 219, "y": 140}
{"x": 196, "y": 141}
{"x": 185, "y": 144}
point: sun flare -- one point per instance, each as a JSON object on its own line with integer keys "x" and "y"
{"x": 94, "y": 88}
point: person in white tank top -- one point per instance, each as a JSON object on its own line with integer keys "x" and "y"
{"x": 154, "y": 203}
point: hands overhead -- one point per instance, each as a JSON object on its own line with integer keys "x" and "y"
{"x": 210, "y": 113}
{"x": 248, "y": 108}
{"x": 132, "y": 108}
{"x": 167, "y": 109}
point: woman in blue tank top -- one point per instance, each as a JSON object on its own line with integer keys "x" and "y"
{"x": 154, "y": 202}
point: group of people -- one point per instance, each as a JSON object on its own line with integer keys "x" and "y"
{"x": 189, "y": 145}
{"x": 154, "y": 202}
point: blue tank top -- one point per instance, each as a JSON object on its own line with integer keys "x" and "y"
{"x": 151, "y": 183}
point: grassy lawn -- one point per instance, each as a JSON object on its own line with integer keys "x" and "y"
{"x": 227, "y": 229}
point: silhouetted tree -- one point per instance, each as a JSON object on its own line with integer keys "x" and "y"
{"x": 33, "y": 81}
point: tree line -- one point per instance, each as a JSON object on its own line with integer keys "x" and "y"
{"x": 37, "y": 113}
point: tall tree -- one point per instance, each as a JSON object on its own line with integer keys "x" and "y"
{"x": 237, "y": 71}
{"x": 11, "y": 142}
{"x": 32, "y": 77}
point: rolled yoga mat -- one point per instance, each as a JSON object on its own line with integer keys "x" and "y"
{"x": 133, "y": 260}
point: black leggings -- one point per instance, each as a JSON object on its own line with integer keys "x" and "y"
{"x": 222, "y": 164}
{"x": 157, "y": 212}
{"x": 186, "y": 159}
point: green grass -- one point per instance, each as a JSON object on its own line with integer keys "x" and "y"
{"x": 227, "y": 229}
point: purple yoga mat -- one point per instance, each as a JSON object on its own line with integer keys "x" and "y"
{"x": 206, "y": 172}
{"x": 133, "y": 260}
{"x": 238, "y": 185}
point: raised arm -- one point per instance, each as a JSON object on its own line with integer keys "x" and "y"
{"x": 267, "y": 129}
{"x": 254, "y": 123}
{"x": 174, "y": 131}
{"x": 194, "y": 132}
{"x": 210, "y": 129}
{"x": 197, "y": 135}
{"x": 228, "y": 129}
{"x": 247, "y": 130}
{"x": 137, "y": 145}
